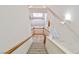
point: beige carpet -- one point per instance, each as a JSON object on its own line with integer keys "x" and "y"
{"x": 37, "y": 46}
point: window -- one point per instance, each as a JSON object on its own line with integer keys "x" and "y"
{"x": 37, "y": 14}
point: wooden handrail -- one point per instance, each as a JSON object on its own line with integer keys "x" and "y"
{"x": 17, "y": 46}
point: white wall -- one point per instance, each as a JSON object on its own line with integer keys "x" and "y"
{"x": 68, "y": 38}
{"x": 14, "y": 25}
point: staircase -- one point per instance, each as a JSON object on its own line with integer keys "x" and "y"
{"x": 37, "y": 46}
{"x": 37, "y": 16}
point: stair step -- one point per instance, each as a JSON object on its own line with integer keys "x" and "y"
{"x": 37, "y": 48}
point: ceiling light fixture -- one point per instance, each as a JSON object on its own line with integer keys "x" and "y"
{"x": 68, "y": 17}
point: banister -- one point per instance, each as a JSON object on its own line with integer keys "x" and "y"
{"x": 17, "y": 46}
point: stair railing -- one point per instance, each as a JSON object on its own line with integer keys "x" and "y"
{"x": 17, "y": 46}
